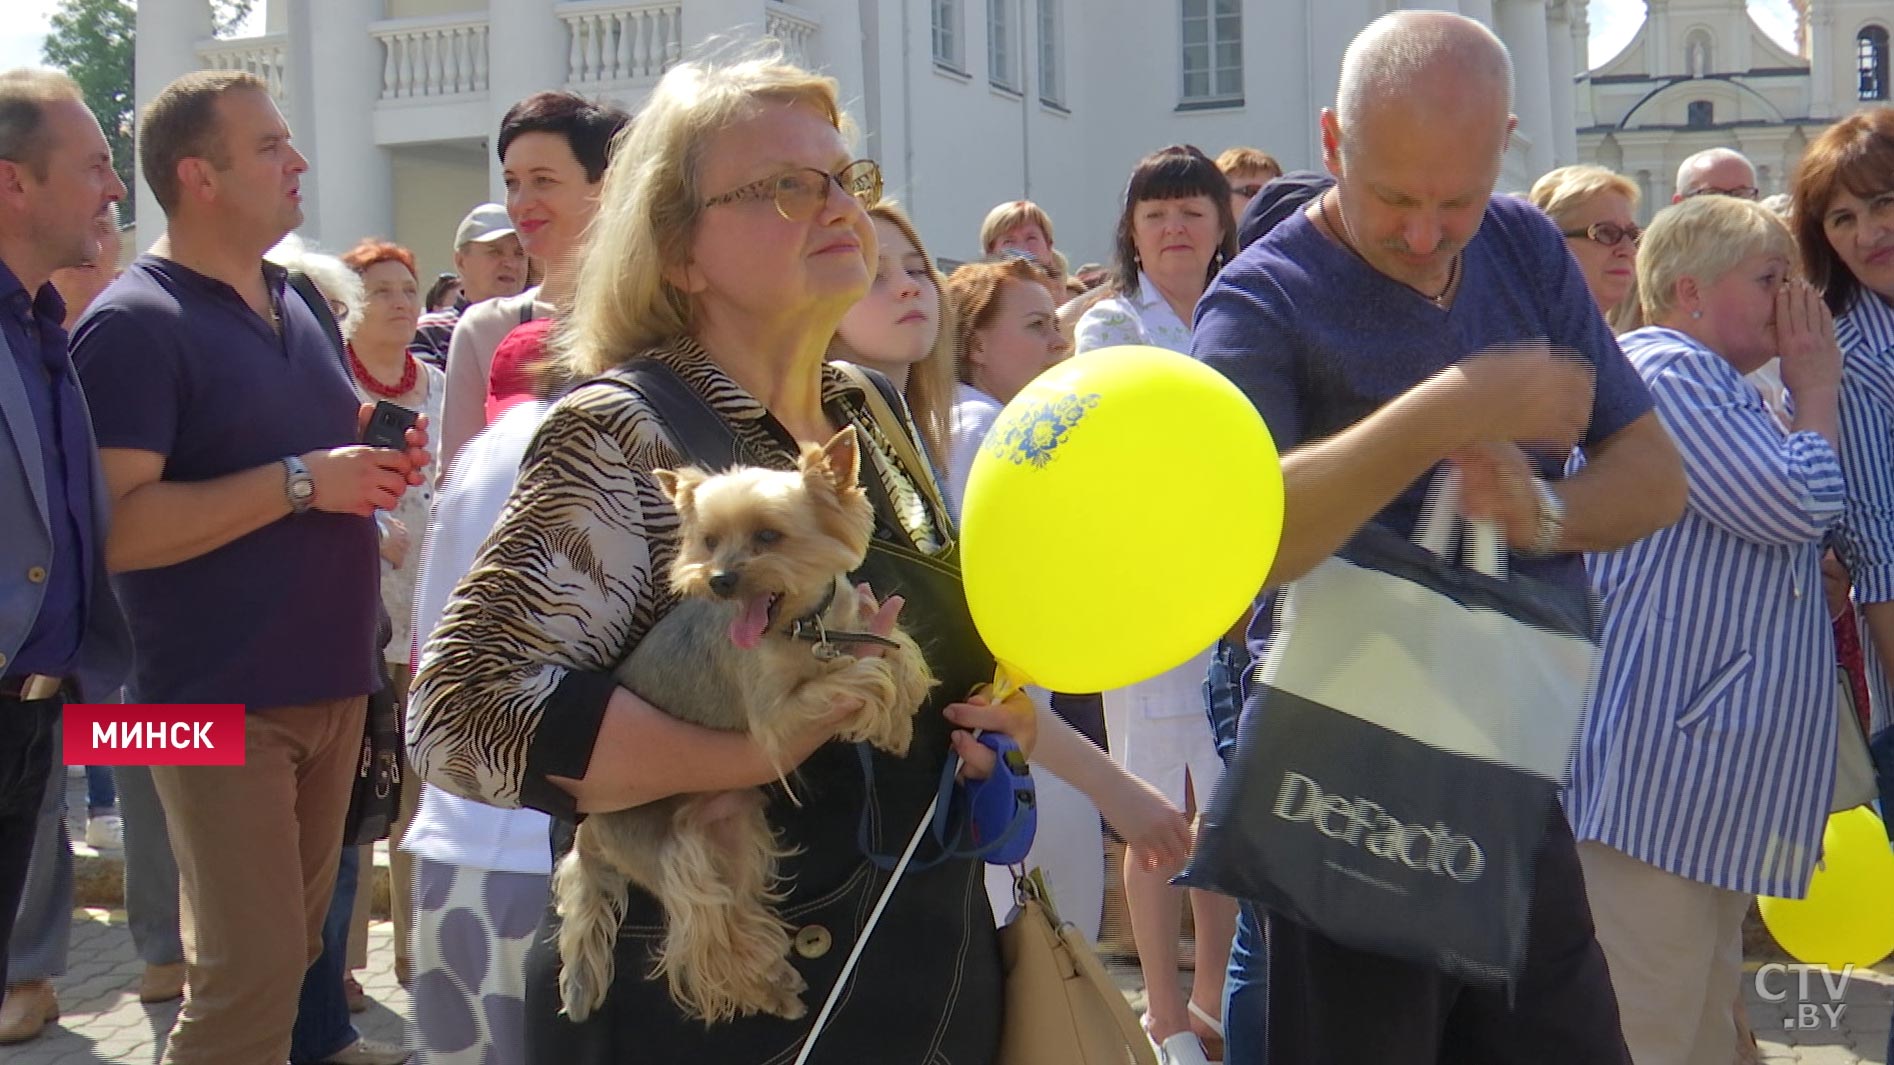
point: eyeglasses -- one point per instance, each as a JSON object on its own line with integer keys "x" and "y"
{"x": 1246, "y": 191}
{"x": 1741, "y": 192}
{"x": 800, "y": 192}
{"x": 1607, "y": 234}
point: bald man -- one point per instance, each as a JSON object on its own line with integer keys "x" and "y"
{"x": 1405, "y": 320}
{"x": 1716, "y": 172}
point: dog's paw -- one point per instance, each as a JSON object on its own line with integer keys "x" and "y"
{"x": 578, "y": 996}
{"x": 783, "y": 991}
{"x": 892, "y": 732}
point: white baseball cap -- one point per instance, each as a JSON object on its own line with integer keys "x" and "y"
{"x": 484, "y": 223}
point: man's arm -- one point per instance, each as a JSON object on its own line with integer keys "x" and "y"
{"x": 1333, "y": 487}
{"x": 161, "y": 523}
{"x": 156, "y": 522}
{"x": 1336, "y": 485}
{"x": 1632, "y": 486}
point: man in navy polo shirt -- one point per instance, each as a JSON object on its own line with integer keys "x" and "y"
{"x": 1406, "y": 318}
{"x": 61, "y": 632}
{"x": 244, "y": 546}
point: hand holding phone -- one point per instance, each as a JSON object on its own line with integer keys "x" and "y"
{"x": 388, "y": 426}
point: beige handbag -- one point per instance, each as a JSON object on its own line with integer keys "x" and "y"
{"x": 1855, "y": 783}
{"x": 1062, "y": 1007}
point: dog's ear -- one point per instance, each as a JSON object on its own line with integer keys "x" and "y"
{"x": 842, "y": 457}
{"x": 677, "y": 485}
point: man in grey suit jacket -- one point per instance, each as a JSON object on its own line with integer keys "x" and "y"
{"x": 62, "y": 636}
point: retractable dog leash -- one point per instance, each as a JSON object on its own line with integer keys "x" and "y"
{"x": 1003, "y": 808}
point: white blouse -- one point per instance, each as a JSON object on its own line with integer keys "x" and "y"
{"x": 1144, "y": 318}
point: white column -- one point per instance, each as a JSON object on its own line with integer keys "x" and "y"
{"x": 349, "y": 190}
{"x": 1581, "y": 54}
{"x": 528, "y": 50}
{"x": 168, "y": 32}
{"x": 1823, "y": 57}
{"x": 1563, "y": 52}
{"x": 1522, "y": 25}
{"x": 1478, "y": 10}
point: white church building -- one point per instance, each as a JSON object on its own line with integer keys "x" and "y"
{"x": 965, "y": 103}
{"x": 1702, "y": 74}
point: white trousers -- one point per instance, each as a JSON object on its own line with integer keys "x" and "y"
{"x": 1675, "y": 950}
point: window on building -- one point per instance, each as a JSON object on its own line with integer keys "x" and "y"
{"x": 948, "y": 35}
{"x": 1051, "y": 68}
{"x": 1213, "y": 51}
{"x": 1702, "y": 114}
{"x": 1872, "y": 63}
{"x": 1002, "y": 45}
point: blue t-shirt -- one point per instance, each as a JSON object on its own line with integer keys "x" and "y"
{"x": 177, "y": 363}
{"x": 1318, "y": 339}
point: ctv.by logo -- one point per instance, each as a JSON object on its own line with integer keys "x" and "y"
{"x": 1775, "y": 980}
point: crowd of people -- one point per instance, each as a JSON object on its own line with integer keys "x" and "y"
{"x": 1693, "y": 420}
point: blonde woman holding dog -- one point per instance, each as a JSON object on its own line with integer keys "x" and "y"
{"x": 732, "y": 237}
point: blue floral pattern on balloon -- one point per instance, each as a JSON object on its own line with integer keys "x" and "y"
{"x": 1034, "y": 433}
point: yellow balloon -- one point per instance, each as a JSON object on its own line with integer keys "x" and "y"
{"x": 1846, "y": 919}
{"x": 1120, "y": 516}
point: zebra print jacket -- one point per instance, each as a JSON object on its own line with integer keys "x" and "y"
{"x": 514, "y": 680}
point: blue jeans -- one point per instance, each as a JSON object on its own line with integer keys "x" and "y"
{"x": 322, "y": 1026}
{"x": 1246, "y": 988}
{"x": 101, "y": 797}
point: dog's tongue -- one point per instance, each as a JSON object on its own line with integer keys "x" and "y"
{"x": 747, "y": 630}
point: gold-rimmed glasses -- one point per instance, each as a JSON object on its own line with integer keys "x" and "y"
{"x": 798, "y": 193}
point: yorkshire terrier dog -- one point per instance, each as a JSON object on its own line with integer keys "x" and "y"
{"x": 757, "y": 644}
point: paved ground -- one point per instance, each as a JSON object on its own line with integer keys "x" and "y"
{"x": 1795, "y": 1019}
{"x": 104, "y": 1022}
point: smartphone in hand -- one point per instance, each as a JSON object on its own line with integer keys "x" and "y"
{"x": 388, "y": 426}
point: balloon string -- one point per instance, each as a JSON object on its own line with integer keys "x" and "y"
{"x": 1007, "y": 680}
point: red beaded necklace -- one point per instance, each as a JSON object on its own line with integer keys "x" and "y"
{"x": 411, "y": 369}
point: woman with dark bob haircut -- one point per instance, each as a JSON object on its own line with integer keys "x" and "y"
{"x": 1843, "y": 216}
{"x": 1175, "y": 232}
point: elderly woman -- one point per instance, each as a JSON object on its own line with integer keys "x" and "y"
{"x": 732, "y": 237}
{"x": 1175, "y": 231}
{"x": 1597, "y": 211}
{"x": 382, "y": 369}
{"x": 1707, "y": 760}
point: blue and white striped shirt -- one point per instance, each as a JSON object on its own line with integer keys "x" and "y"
{"x": 1866, "y": 536}
{"x": 1709, "y": 746}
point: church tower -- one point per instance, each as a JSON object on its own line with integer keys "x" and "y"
{"x": 1700, "y": 38}
{"x": 1847, "y": 43}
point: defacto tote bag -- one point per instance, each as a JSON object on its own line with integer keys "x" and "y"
{"x": 1417, "y": 719}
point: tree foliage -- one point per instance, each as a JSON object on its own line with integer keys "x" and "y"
{"x": 91, "y": 40}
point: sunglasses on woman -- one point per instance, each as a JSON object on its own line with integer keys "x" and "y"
{"x": 1607, "y": 234}
{"x": 800, "y": 192}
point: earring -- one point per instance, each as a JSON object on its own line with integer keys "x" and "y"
{"x": 1696, "y": 314}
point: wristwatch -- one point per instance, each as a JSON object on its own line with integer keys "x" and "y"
{"x": 298, "y": 485}
{"x": 1551, "y": 520}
